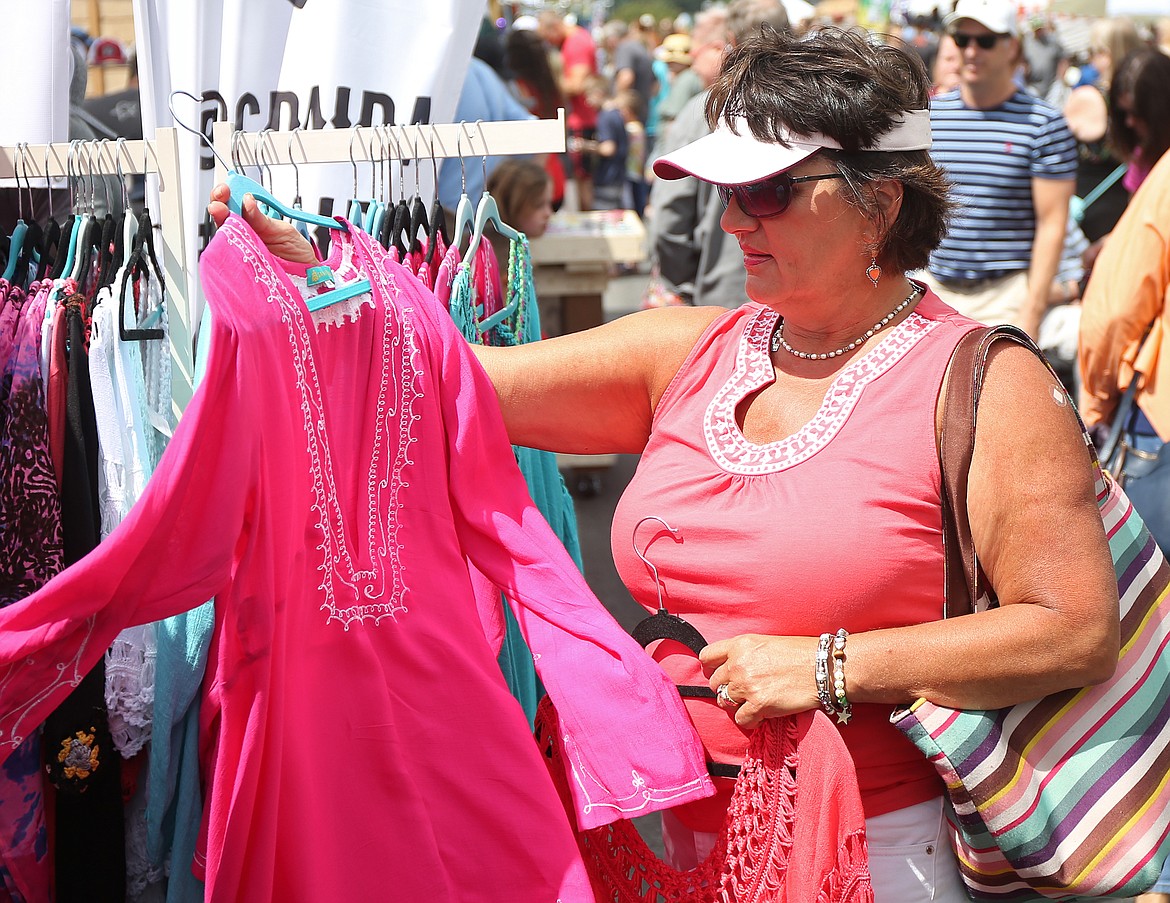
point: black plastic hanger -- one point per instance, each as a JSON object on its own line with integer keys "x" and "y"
{"x": 662, "y": 625}
{"x": 141, "y": 261}
{"x": 50, "y": 247}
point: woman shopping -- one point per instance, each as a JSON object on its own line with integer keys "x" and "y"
{"x": 789, "y": 445}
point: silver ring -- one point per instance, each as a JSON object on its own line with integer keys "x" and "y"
{"x": 725, "y": 701}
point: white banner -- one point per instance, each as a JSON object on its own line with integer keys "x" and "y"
{"x": 288, "y": 63}
{"x": 36, "y": 66}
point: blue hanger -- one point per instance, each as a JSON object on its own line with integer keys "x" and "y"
{"x": 488, "y": 213}
{"x": 20, "y": 231}
{"x": 15, "y": 245}
{"x": 240, "y": 186}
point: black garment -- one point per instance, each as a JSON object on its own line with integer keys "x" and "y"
{"x": 90, "y": 846}
{"x": 1094, "y": 164}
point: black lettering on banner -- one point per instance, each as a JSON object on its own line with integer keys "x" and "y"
{"x": 299, "y": 4}
{"x": 370, "y": 99}
{"x": 341, "y": 118}
{"x": 284, "y": 99}
{"x": 247, "y": 102}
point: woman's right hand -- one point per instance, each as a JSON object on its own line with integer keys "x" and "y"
{"x": 280, "y": 237}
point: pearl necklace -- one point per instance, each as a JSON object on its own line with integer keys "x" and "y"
{"x": 778, "y": 341}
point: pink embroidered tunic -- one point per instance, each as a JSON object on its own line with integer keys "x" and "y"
{"x": 326, "y": 485}
{"x": 838, "y": 525}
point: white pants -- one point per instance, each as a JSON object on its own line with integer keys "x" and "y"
{"x": 910, "y": 856}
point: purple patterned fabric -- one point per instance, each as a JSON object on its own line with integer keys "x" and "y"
{"x": 30, "y": 553}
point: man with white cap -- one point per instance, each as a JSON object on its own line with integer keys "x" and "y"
{"x": 1012, "y": 161}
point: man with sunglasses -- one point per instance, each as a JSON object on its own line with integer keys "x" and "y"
{"x": 1012, "y": 161}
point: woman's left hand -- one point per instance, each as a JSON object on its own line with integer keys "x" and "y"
{"x": 769, "y": 676}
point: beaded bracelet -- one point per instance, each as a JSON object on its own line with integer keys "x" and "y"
{"x": 844, "y": 710}
{"x": 822, "y": 674}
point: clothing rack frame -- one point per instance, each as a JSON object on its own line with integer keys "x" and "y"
{"x": 375, "y": 144}
{"x": 103, "y": 157}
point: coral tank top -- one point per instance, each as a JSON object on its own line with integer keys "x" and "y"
{"x": 838, "y": 525}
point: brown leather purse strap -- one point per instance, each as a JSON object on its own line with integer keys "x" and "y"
{"x": 956, "y": 444}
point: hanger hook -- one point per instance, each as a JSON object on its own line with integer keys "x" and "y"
{"x": 378, "y": 163}
{"x": 69, "y": 175}
{"x": 431, "y": 139}
{"x": 90, "y": 177}
{"x": 102, "y": 149}
{"x": 641, "y": 553}
{"x": 459, "y": 148}
{"x": 483, "y": 160}
{"x": 237, "y": 161}
{"x": 295, "y": 136}
{"x": 401, "y": 162}
{"x": 414, "y": 149}
{"x": 353, "y": 161}
{"x": 391, "y": 152}
{"x": 269, "y": 156}
{"x": 18, "y": 164}
{"x": 196, "y": 132}
{"x": 49, "y": 178}
{"x": 119, "y": 149}
{"x": 374, "y": 161}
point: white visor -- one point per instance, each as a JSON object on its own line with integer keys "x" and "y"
{"x": 727, "y": 158}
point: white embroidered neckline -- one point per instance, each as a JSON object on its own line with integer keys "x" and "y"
{"x": 352, "y": 595}
{"x": 726, "y": 442}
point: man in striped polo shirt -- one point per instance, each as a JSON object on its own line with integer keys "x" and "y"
{"x": 1013, "y": 163}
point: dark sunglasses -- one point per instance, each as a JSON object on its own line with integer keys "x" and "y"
{"x": 985, "y": 41}
{"x": 771, "y": 197}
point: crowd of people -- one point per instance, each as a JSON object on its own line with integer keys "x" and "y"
{"x": 1075, "y": 102}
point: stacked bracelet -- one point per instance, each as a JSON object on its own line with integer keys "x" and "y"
{"x": 844, "y": 709}
{"x": 833, "y": 699}
{"x": 822, "y": 674}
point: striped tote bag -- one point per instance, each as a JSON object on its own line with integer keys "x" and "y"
{"x": 1066, "y": 796}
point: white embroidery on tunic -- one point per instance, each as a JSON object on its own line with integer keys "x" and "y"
{"x": 68, "y": 674}
{"x": 640, "y": 796}
{"x": 352, "y": 594}
{"x": 753, "y": 369}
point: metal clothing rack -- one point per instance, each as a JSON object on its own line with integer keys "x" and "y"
{"x": 159, "y": 157}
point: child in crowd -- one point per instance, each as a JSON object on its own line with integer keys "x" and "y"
{"x": 612, "y": 145}
{"x": 523, "y": 192}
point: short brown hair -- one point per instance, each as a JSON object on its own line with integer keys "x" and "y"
{"x": 517, "y": 185}
{"x": 843, "y": 85}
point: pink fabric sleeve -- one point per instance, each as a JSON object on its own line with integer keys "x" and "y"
{"x": 640, "y": 752}
{"x": 171, "y": 553}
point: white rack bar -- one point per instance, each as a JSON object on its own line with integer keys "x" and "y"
{"x": 96, "y": 157}
{"x": 367, "y": 144}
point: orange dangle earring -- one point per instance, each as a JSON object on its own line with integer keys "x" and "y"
{"x": 873, "y": 271}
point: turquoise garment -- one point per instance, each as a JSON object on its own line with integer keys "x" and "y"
{"x": 539, "y": 468}
{"x": 174, "y": 800}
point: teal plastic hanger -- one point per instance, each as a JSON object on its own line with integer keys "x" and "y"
{"x": 15, "y": 245}
{"x": 488, "y": 213}
{"x": 241, "y": 186}
{"x": 74, "y": 239}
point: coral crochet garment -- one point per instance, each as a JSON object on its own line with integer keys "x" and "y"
{"x": 326, "y": 484}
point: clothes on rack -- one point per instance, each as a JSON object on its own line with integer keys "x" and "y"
{"x": 477, "y": 296}
{"x": 55, "y": 445}
{"x": 326, "y": 485}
